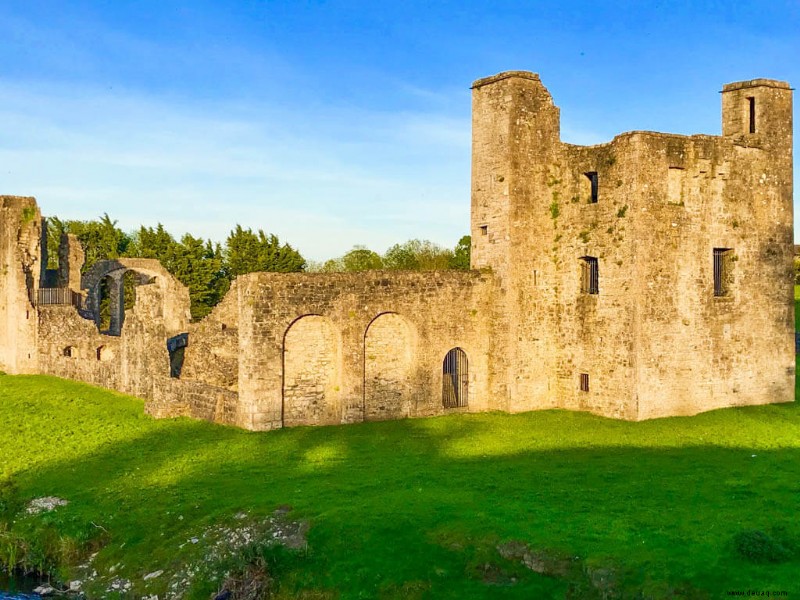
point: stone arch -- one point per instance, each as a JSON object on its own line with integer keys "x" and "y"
{"x": 455, "y": 379}
{"x": 311, "y": 372}
{"x": 390, "y": 347}
{"x": 167, "y": 299}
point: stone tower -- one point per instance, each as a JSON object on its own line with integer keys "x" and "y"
{"x": 644, "y": 277}
{"x": 20, "y": 266}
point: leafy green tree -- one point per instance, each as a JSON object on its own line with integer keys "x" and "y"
{"x": 461, "y": 254}
{"x": 361, "y": 258}
{"x": 333, "y": 265}
{"x": 249, "y": 252}
{"x": 417, "y": 255}
{"x": 401, "y": 257}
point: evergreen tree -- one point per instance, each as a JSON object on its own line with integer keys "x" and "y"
{"x": 198, "y": 266}
{"x": 249, "y": 252}
{"x": 156, "y": 243}
{"x": 101, "y": 239}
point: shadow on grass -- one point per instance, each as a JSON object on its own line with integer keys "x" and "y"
{"x": 417, "y": 507}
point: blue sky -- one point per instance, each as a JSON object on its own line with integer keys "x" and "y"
{"x": 338, "y": 123}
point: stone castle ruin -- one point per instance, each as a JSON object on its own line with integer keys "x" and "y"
{"x": 644, "y": 277}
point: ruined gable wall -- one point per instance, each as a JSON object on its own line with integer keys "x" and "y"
{"x": 212, "y": 355}
{"x": 445, "y": 310}
{"x": 20, "y": 234}
{"x": 696, "y": 351}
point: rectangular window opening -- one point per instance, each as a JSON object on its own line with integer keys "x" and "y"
{"x": 484, "y": 229}
{"x": 590, "y": 275}
{"x": 584, "y": 382}
{"x": 723, "y": 271}
{"x": 592, "y": 177}
{"x": 751, "y": 102}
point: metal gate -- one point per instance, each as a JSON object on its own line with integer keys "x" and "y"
{"x": 455, "y": 379}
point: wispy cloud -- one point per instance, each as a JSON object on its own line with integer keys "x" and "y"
{"x": 323, "y": 181}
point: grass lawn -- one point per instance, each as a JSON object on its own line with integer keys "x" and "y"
{"x": 407, "y": 509}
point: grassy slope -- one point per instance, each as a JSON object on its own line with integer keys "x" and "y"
{"x": 414, "y": 508}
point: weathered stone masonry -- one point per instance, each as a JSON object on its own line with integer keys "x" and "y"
{"x": 644, "y": 277}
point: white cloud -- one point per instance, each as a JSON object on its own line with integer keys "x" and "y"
{"x": 322, "y": 180}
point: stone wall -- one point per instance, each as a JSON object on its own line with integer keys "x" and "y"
{"x": 444, "y": 309}
{"x": 312, "y": 371}
{"x": 390, "y": 380}
{"x": 595, "y": 288}
{"x": 212, "y": 355}
{"x": 654, "y": 340}
{"x": 20, "y": 271}
{"x": 194, "y": 399}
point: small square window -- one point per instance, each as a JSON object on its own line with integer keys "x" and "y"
{"x": 484, "y": 230}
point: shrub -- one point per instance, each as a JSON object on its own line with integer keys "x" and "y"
{"x": 759, "y": 547}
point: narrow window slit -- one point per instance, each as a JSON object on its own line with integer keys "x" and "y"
{"x": 592, "y": 177}
{"x": 751, "y": 102}
{"x": 723, "y": 271}
{"x": 590, "y": 275}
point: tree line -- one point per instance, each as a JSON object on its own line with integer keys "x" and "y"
{"x": 207, "y": 268}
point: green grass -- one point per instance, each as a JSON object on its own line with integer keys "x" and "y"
{"x": 408, "y": 509}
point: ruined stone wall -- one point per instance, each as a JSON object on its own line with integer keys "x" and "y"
{"x": 20, "y": 269}
{"x": 651, "y": 338}
{"x": 697, "y": 351}
{"x": 194, "y": 399}
{"x": 70, "y": 261}
{"x": 391, "y": 385}
{"x": 654, "y": 340}
{"x": 212, "y": 355}
{"x": 70, "y": 345}
{"x": 515, "y": 134}
{"x": 444, "y": 309}
{"x": 592, "y": 332}
{"x": 312, "y": 372}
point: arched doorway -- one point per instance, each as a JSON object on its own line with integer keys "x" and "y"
{"x": 389, "y": 350}
{"x": 455, "y": 379}
{"x": 311, "y": 373}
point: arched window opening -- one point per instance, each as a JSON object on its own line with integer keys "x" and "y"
{"x": 176, "y": 347}
{"x": 104, "y": 304}
{"x": 69, "y": 352}
{"x": 129, "y": 282}
{"x": 455, "y": 379}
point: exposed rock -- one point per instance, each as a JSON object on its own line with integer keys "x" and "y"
{"x": 45, "y": 590}
{"x": 153, "y": 575}
{"x": 46, "y": 504}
